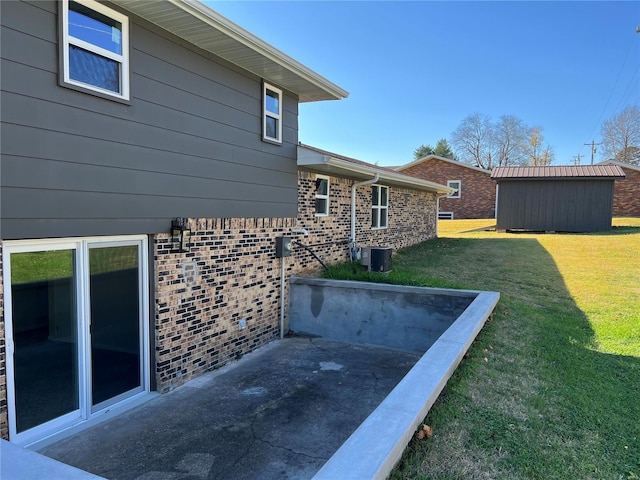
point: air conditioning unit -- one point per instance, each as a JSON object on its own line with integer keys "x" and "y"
{"x": 376, "y": 259}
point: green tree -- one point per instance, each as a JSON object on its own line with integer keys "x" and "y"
{"x": 422, "y": 151}
{"x": 443, "y": 149}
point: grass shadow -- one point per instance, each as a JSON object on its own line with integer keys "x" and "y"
{"x": 535, "y": 398}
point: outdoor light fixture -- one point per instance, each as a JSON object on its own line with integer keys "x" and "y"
{"x": 181, "y": 235}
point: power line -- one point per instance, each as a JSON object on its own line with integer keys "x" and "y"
{"x": 615, "y": 84}
{"x": 576, "y": 159}
{"x": 593, "y": 150}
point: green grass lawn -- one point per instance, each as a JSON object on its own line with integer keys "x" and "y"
{"x": 551, "y": 387}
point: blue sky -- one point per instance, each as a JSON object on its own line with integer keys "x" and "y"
{"x": 415, "y": 70}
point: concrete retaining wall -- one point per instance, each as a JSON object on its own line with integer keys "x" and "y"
{"x": 395, "y": 316}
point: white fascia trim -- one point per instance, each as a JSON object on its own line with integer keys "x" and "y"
{"x": 236, "y": 32}
{"x": 443, "y": 159}
{"x": 620, "y": 164}
{"x": 384, "y": 174}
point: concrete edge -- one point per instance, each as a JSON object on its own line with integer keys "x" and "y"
{"x": 378, "y": 443}
{"x": 17, "y": 463}
{"x": 386, "y": 287}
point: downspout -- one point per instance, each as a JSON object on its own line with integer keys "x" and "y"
{"x": 352, "y": 240}
{"x": 438, "y": 197}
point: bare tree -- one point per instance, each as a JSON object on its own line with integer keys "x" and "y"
{"x": 621, "y": 136}
{"x": 539, "y": 154}
{"x": 510, "y": 139}
{"x": 473, "y": 140}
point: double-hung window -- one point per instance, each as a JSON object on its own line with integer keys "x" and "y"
{"x": 457, "y": 184}
{"x": 322, "y": 196}
{"x": 379, "y": 206}
{"x": 95, "y": 48}
{"x": 272, "y": 113}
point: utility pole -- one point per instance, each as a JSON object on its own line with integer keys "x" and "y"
{"x": 576, "y": 159}
{"x": 593, "y": 149}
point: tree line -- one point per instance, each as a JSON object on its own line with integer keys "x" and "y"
{"x": 485, "y": 143}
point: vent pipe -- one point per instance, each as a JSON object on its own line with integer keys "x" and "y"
{"x": 352, "y": 240}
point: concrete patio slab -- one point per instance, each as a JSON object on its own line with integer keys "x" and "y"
{"x": 278, "y": 413}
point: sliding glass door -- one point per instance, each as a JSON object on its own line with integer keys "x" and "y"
{"x": 45, "y": 337}
{"x": 76, "y": 330}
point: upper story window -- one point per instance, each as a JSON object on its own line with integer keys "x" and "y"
{"x": 379, "y": 206}
{"x": 272, "y": 113}
{"x": 322, "y": 196}
{"x": 457, "y": 184}
{"x": 95, "y": 48}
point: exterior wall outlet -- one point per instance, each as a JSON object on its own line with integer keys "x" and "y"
{"x": 242, "y": 324}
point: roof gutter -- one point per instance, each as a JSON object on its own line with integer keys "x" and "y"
{"x": 388, "y": 175}
{"x": 352, "y": 240}
{"x": 203, "y": 27}
{"x": 243, "y": 36}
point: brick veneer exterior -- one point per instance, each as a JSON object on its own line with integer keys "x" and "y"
{"x": 478, "y": 192}
{"x": 626, "y": 193}
{"x": 195, "y": 325}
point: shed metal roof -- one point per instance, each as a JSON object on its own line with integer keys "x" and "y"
{"x": 205, "y": 28}
{"x": 558, "y": 172}
{"x": 324, "y": 162}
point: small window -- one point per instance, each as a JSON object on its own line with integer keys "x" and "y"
{"x": 272, "y": 114}
{"x": 379, "y": 206}
{"x": 322, "y": 196}
{"x": 457, "y": 184}
{"x": 95, "y": 48}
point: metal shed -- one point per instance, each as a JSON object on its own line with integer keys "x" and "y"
{"x": 556, "y": 198}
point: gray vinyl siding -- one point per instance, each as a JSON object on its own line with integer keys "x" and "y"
{"x": 188, "y": 145}
{"x": 555, "y": 205}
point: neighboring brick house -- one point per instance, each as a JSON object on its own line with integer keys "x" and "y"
{"x": 626, "y": 192}
{"x": 191, "y": 116}
{"x": 476, "y": 192}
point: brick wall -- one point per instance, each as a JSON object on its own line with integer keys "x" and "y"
{"x": 238, "y": 276}
{"x": 196, "y": 319}
{"x": 412, "y": 219}
{"x": 626, "y": 194}
{"x": 478, "y": 192}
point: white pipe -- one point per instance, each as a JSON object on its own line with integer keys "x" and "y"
{"x": 438, "y": 197}
{"x": 303, "y": 231}
{"x": 353, "y": 203}
{"x": 282, "y": 299}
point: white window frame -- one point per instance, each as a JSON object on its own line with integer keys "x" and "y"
{"x": 85, "y": 413}
{"x": 122, "y": 59}
{"x": 267, "y": 114}
{"x": 457, "y": 194}
{"x": 379, "y": 208}
{"x": 319, "y": 196}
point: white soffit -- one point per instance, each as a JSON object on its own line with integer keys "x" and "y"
{"x": 326, "y": 164}
{"x": 198, "y": 24}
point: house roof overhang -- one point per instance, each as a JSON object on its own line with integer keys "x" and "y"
{"x": 326, "y": 163}
{"x": 621, "y": 164}
{"x": 442, "y": 159}
{"x": 205, "y": 28}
